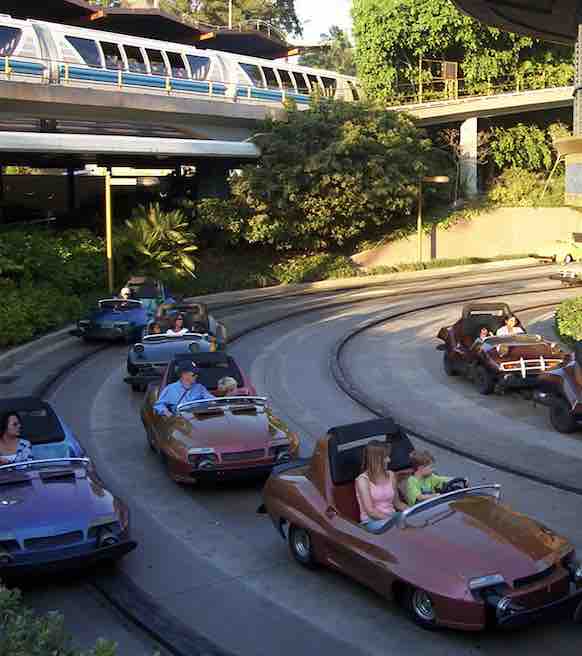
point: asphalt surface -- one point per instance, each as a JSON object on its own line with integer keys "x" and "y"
{"x": 218, "y": 566}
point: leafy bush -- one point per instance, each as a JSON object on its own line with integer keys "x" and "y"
{"x": 521, "y": 147}
{"x": 519, "y": 188}
{"x": 23, "y": 633}
{"x": 569, "y": 320}
{"x": 310, "y": 268}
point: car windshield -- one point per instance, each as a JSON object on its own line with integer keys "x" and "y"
{"x": 120, "y": 305}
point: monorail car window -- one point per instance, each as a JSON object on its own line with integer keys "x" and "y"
{"x": 330, "y": 86}
{"x": 113, "y": 58}
{"x": 301, "y": 83}
{"x": 87, "y": 50}
{"x": 135, "y": 60}
{"x": 272, "y": 81}
{"x": 9, "y": 38}
{"x": 177, "y": 65}
{"x": 254, "y": 72}
{"x": 286, "y": 80}
{"x": 315, "y": 88}
{"x": 200, "y": 66}
{"x": 157, "y": 63}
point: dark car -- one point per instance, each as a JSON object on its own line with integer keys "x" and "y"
{"x": 55, "y": 511}
{"x": 147, "y": 360}
{"x": 461, "y": 560}
{"x": 561, "y": 390}
{"x": 196, "y": 318}
{"x": 150, "y": 291}
{"x": 114, "y": 319}
{"x": 496, "y": 363}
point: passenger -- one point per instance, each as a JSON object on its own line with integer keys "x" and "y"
{"x": 125, "y": 293}
{"x": 510, "y": 328}
{"x": 376, "y": 488}
{"x": 13, "y": 448}
{"x": 182, "y": 391}
{"x": 484, "y": 333}
{"x": 226, "y": 386}
{"x": 155, "y": 329}
{"x": 423, "y": 484}
{"x": 178, "y": 329}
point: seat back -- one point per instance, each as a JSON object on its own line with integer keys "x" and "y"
{"x": 345, "y": 501}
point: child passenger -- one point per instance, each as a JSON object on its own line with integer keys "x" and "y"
{"x": 423, "y": 484}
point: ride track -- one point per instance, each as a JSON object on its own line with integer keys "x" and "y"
{"x": 175, "y": 635}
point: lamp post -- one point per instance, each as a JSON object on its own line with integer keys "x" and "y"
{"x": 430, "y": 179}
{"x": 230, "y": 14}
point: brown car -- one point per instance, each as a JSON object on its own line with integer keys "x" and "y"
{"x": 561, "y": 390}
{"x": 460, "y": 560}
{"x": 496, "y": 363}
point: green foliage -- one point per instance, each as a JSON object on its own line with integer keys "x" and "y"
{"x": 23, "y": 633}
{"x": 520, "y": 188}
{"x": 392, "y": 35}
{"x": 335, "y": 53}
{"x": 569, "y": 320}
{"x": 309, "y": 268}
{"x": 329, "y": 175}
{"x": 162, "y": 240}
{"x": 521, "y": 146}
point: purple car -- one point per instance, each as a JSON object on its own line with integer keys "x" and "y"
{"x": 55, "y": 512}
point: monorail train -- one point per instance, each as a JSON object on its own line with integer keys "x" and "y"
{"x": 38, "y": 51}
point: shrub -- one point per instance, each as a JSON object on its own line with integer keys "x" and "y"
{"x": 310, "y": 268}
{"x": 23, "y": 633}
{"x": 569, "y": 320}
{"x": 520, "y": 188}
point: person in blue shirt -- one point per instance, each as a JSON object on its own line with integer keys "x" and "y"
{"x": 182, "y": 391}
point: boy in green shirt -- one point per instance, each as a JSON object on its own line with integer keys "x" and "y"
{"x": 423, "y": 484}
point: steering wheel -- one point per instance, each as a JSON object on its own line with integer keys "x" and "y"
{"x": 454, "y": 484}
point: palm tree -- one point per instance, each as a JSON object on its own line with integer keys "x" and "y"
{"x": 162, "y": 240}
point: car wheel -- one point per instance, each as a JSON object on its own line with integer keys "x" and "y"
{"x": 150, "y": 441}
{"x": 483, "y": 380}
{"x": 568, "y": 259}
{"x": 420, "y": 607}
{"x": 449, "y": 366}
{"x": 301, "y": 547}
{"x": 561, "y": 416}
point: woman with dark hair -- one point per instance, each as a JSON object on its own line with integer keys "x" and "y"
{"x": 13, "y": 448}
{"x": 178, "y": 329}
{"x": 376, "y": 488}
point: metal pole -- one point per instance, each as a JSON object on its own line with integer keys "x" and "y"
{"x": 108, "y": 231}
{"x": 419, "y": 221}
{"x": 420, "y": 78}
{"x": 230, "y": 14}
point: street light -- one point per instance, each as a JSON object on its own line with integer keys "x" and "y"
{"x": 430, "y": 179}
{"x": 230, "y": 14}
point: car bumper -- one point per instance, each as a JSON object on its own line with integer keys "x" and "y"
{"x": 50, "y": 562}
{"x": 225, "y": 474}
{"x": 517, "y": 381}
{"x": 142, "y": 379}
{"x": 569, "y": 606}
{"x": 567, "y": 279}
{"x": 107, "y": 333}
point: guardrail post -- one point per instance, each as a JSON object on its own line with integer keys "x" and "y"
{"x": 211, "y": 88}
{"x": 168, "y": 84}
{"x": 66, "y": 73}
{"x": 7, "y": 69}
{"x": 119, "y": 78}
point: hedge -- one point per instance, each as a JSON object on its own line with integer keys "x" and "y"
{"x": 569, "y": 320}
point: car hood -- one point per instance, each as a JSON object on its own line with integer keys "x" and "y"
{"x": 231, "y": 431}
{"x": 108, "y": 315}
{"x": 165, "y": 351}
{"x": 51, "y": 499}
{"x": 520, "y": 346}
{"x": 476, "y": 536}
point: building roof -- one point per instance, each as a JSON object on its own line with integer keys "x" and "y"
{"x": 253, "y": 38}
{"x": 552, "y": 20}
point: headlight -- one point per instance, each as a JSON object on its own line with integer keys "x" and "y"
{"x": 122, "y": 324}
{"x": 485, "y": 581}
{"x": 281, "y": 453}
{"x": 84, "y": 323}
{"x": 506, "y": 606}
{"x": 139, "y": 348}
{"x": 574, "y": 568}
{"x": 205, "y": 458}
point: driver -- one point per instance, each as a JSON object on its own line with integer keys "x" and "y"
{"x": 423, "y": 484}
{"x": 510, "y": 328}
{"x": 182, "y": 391}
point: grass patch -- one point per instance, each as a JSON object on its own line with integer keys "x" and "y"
{"x": 438, "y": 264}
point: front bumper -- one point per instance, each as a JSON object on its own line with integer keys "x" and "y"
{"x": 517, "y": 381}
{"x": 68, "y": 559}
{"x": 244, "y": 471}
{"x": 107, "y": 333}
{"x": 569, "y": 606}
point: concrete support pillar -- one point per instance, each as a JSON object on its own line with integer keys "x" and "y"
{"x": 212, "y": 180}
{"x": 468, "y": 154}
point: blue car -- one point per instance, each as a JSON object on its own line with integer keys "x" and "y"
{"x": 115, "y": 319}
{"x": 55, "y": 512}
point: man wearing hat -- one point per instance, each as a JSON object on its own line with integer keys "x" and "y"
{"x": 182, "y": 391}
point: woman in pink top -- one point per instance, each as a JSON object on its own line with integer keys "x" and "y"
{"x": 376, "y": 488}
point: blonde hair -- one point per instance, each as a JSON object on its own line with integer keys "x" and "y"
{"x": 227, "y": 384}
{"x": 373, "y": 458}
{"x": 421, "y": 459}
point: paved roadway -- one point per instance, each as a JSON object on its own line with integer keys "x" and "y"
{"x": 217, "y": 565}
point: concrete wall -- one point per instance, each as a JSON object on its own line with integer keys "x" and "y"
{"x": 503, "y": 231}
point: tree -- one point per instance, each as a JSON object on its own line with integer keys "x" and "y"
{"x": 331, "y": 174}
{"x": 393, "y": 35}
{"x": 335, "y": 53}
{"x": 280, "y": 13}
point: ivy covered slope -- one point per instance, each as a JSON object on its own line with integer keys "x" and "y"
{"x": 391, "y": 36}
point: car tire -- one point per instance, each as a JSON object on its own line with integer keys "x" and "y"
{"x": 301, "y": 546}
{"x": 420, "y": 608}
{"x": 448, "y": 365}
{"x": 561, "y": 416}
{"x": 150, "y": 441}
{"x": 483, "y": 380}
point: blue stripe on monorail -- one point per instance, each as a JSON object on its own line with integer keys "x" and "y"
{"x": 257, "y": 93}
{"x": 22, "y": 67}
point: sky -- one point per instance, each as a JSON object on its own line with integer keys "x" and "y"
{"x": 318, "y": 16}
